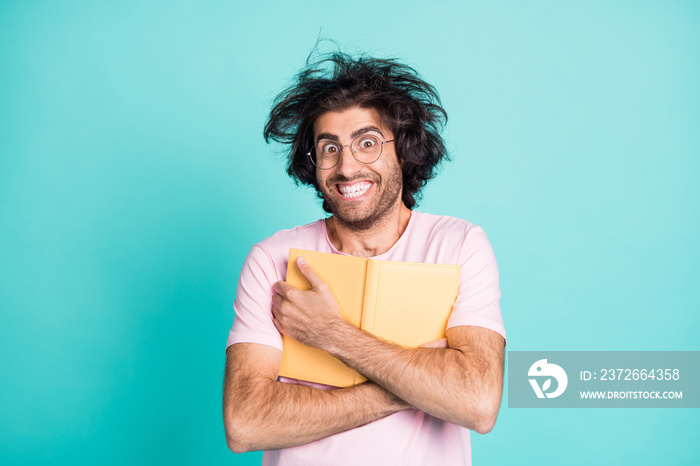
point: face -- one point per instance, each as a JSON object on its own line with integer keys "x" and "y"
{"x": 360, "y": 196}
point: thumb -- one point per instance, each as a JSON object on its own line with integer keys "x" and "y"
{"x": 308, "y": 272}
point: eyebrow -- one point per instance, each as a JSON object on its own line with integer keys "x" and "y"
{"x": 354, "y": 134}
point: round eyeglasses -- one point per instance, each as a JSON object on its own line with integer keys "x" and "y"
{"x": 366, "y": 148}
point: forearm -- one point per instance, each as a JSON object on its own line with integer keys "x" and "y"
{"x": 460, "y": 384}
{"x": 448, "y": 383}
{"x": 263, "y": 414}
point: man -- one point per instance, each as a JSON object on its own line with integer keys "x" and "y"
{"x": 365, "y": 133}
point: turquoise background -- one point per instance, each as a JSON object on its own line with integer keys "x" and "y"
{"x": 134, "y": 179}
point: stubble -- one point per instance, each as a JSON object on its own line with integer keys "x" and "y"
{"x": 355, "y": 219}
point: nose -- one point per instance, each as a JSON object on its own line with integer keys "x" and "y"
{"x": 348, "y": 164}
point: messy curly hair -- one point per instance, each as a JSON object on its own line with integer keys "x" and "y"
{"x": 409, "y": 106}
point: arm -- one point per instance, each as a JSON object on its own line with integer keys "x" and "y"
{"x": 461, "y": 383}
{"x": 263, "y": 414}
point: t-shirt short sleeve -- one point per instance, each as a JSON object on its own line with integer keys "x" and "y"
{"x": 253, "y": 303}
{"x": 478, "y": 302}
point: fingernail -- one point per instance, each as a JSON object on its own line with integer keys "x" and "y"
{"x": 301, "y": 260}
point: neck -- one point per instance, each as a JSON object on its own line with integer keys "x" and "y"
{"x": 376, "y": 240}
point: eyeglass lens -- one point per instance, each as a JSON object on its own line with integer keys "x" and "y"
{"x": 365, "y": 148}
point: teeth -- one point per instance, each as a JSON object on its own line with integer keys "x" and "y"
{"x": 355, "y": 190}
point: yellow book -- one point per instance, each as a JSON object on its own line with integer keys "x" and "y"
{"x": 405, "y": 303}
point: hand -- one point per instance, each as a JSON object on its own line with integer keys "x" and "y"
{"x": 311, "y": 317}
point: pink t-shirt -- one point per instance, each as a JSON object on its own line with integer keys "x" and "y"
{"x": 408, "y": 437}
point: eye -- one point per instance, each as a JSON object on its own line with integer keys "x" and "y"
{"x": 367, "y": 143}
{"x": 328, "y": 148}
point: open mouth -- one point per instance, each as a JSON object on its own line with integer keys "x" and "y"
{"x": 353, "y": 190}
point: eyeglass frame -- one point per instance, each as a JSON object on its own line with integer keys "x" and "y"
{"x": 349, "y": 146}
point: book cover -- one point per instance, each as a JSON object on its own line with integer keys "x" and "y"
{"x": 405, "y": 303}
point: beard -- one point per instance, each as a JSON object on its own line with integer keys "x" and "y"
{"x": 386, "y": 194}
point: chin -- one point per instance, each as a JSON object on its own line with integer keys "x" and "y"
{"x": 360, "y": 219}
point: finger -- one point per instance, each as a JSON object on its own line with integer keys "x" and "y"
{"x": 276, "y": 303}
{"x": 308, "y": 272}
{"x": 281, "y": 288}
{"x": 280, "y": 306}
{"x": 441, "y": 343}
{"x": 278, "y": 325}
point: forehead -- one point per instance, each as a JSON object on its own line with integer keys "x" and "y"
{"x": 343, "y": 123}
